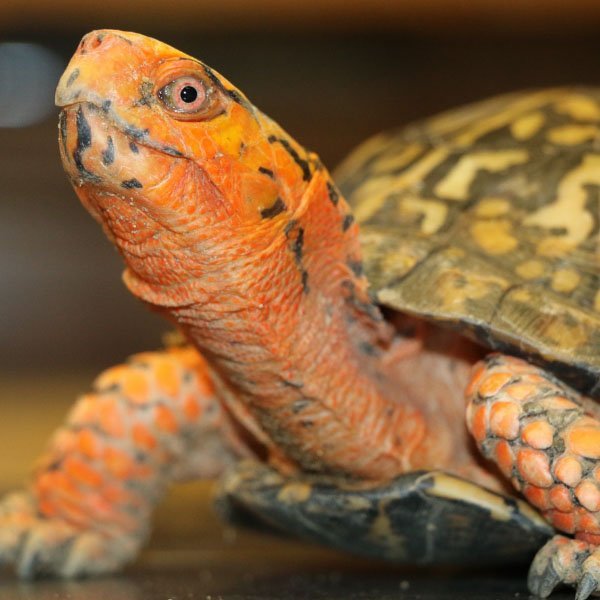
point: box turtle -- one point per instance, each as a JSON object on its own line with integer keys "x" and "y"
{"x": 334, "y": 336}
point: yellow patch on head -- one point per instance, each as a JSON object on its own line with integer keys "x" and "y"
{"x": 597, "y": 301}
{"x": 494, "y": 237}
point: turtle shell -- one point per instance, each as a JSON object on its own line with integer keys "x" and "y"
{"x": 487, "y": 218}
{"x": 427, "y": 518}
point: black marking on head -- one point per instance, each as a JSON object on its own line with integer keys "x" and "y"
{"x": 303, "y": 164}
{"x": 72, "y": 77}
{"x": 305, "y": 287}
{"x": 289, "y": 227}
{"x": 171, "y": 151}
{"x": 292, "y": 384}
{"x": 307, "y": 423}
{"x": 298, "y": 245}
{"x": 233, "y": 94}
{"x": 146, "y": 94}
{"x": 131, "y": 183}
{"x": 133, "y": 147}
{"x": 108, "y": 155}
{"x": 347, "y": 222}
{"x": 272, "y": 211}
{"x": 84, "y": 141}
{"x": 62, "y": 127}
{"x": 299, "y": 405}
{"x": 334, "y": 195}
{"x": 356, "y": 267}
{"x": 106, "y": 105}
{"x": 267, "y": 172}
{"x": 136, "y": 133}
{"x": 125, "y": 39}
{"x": 368, "y": 349}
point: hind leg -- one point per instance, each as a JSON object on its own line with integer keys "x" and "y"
{"x": 146, "y": 423}
{"x": 546, "y": 439}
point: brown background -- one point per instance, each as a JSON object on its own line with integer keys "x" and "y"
{"x": 331, "y": 71}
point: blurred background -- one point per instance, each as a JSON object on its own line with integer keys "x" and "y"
{"x": 330, "y": 71}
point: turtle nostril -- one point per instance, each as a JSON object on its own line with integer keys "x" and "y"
{"x": 91, "y": 42}
{"x": 96, "y": 41}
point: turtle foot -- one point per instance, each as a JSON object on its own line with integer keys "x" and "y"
{"x": 36, "y": 545}
{"x": 567, "y": 561}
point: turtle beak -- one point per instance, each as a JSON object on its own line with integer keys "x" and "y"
{"x": 101, "y": 63}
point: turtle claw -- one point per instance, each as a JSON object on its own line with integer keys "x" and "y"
{"x": 542, "y": 583}
{"x": 567, "y": 561}
{"x": 36, "y": 545}
{"x": 587, "y": 586}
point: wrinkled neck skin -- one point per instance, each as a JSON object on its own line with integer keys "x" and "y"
{"x": 278, "y": 305}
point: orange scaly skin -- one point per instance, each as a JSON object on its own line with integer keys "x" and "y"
{"x": 545, "y": 440}
{"x": 238, "y": 234}
{"x": 147, "y": 423}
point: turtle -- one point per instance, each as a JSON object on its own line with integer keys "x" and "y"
{"x": 381, "y": 364}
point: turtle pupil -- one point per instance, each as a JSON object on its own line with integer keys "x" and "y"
{"x": 188, "y": 94}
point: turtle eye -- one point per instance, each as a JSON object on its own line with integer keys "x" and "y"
{"x": 186, "y": 96}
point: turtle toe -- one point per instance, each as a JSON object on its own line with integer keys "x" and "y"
{"x": 566, "y": 561}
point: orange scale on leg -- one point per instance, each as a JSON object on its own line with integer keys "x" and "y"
{"x": 504, "y": 420}
{"x": 191, "y": 408}
{"x": 568, "y": 470}
{"x": 80, "y": 472}
{"x": 493, "y": 383}
{"x": 560, "y": 496}
{"x": 505, "y": 457}
{"x": 168, "y": 377}
{"x": 87, "y": 443}
{"x": 534, "y": 467}
{"x": 584, "y": 438}
{"x": 588, "y": 495}
{"x": 520, "y": 391}
{"x": 165, "y": 420}
{"x": 136, "y": 387}
{"x": 110, "y": 418}
{"x": 142, "y": 437}
{"x": 590, "y": 523}
{"x": 118, "y": 463}
{"x": 565, "y": 521}
{"x": 538, "y": 434}
{"x": 111, "y": 377}
{"x": 539, "y": 497}
{"x": 478, "y": 423}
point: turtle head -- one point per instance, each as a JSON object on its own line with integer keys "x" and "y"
{"x": 168, "y": 154}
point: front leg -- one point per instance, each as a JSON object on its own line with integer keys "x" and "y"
{"x": 546, "y": 439}
{"x": 146, "y": 423}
